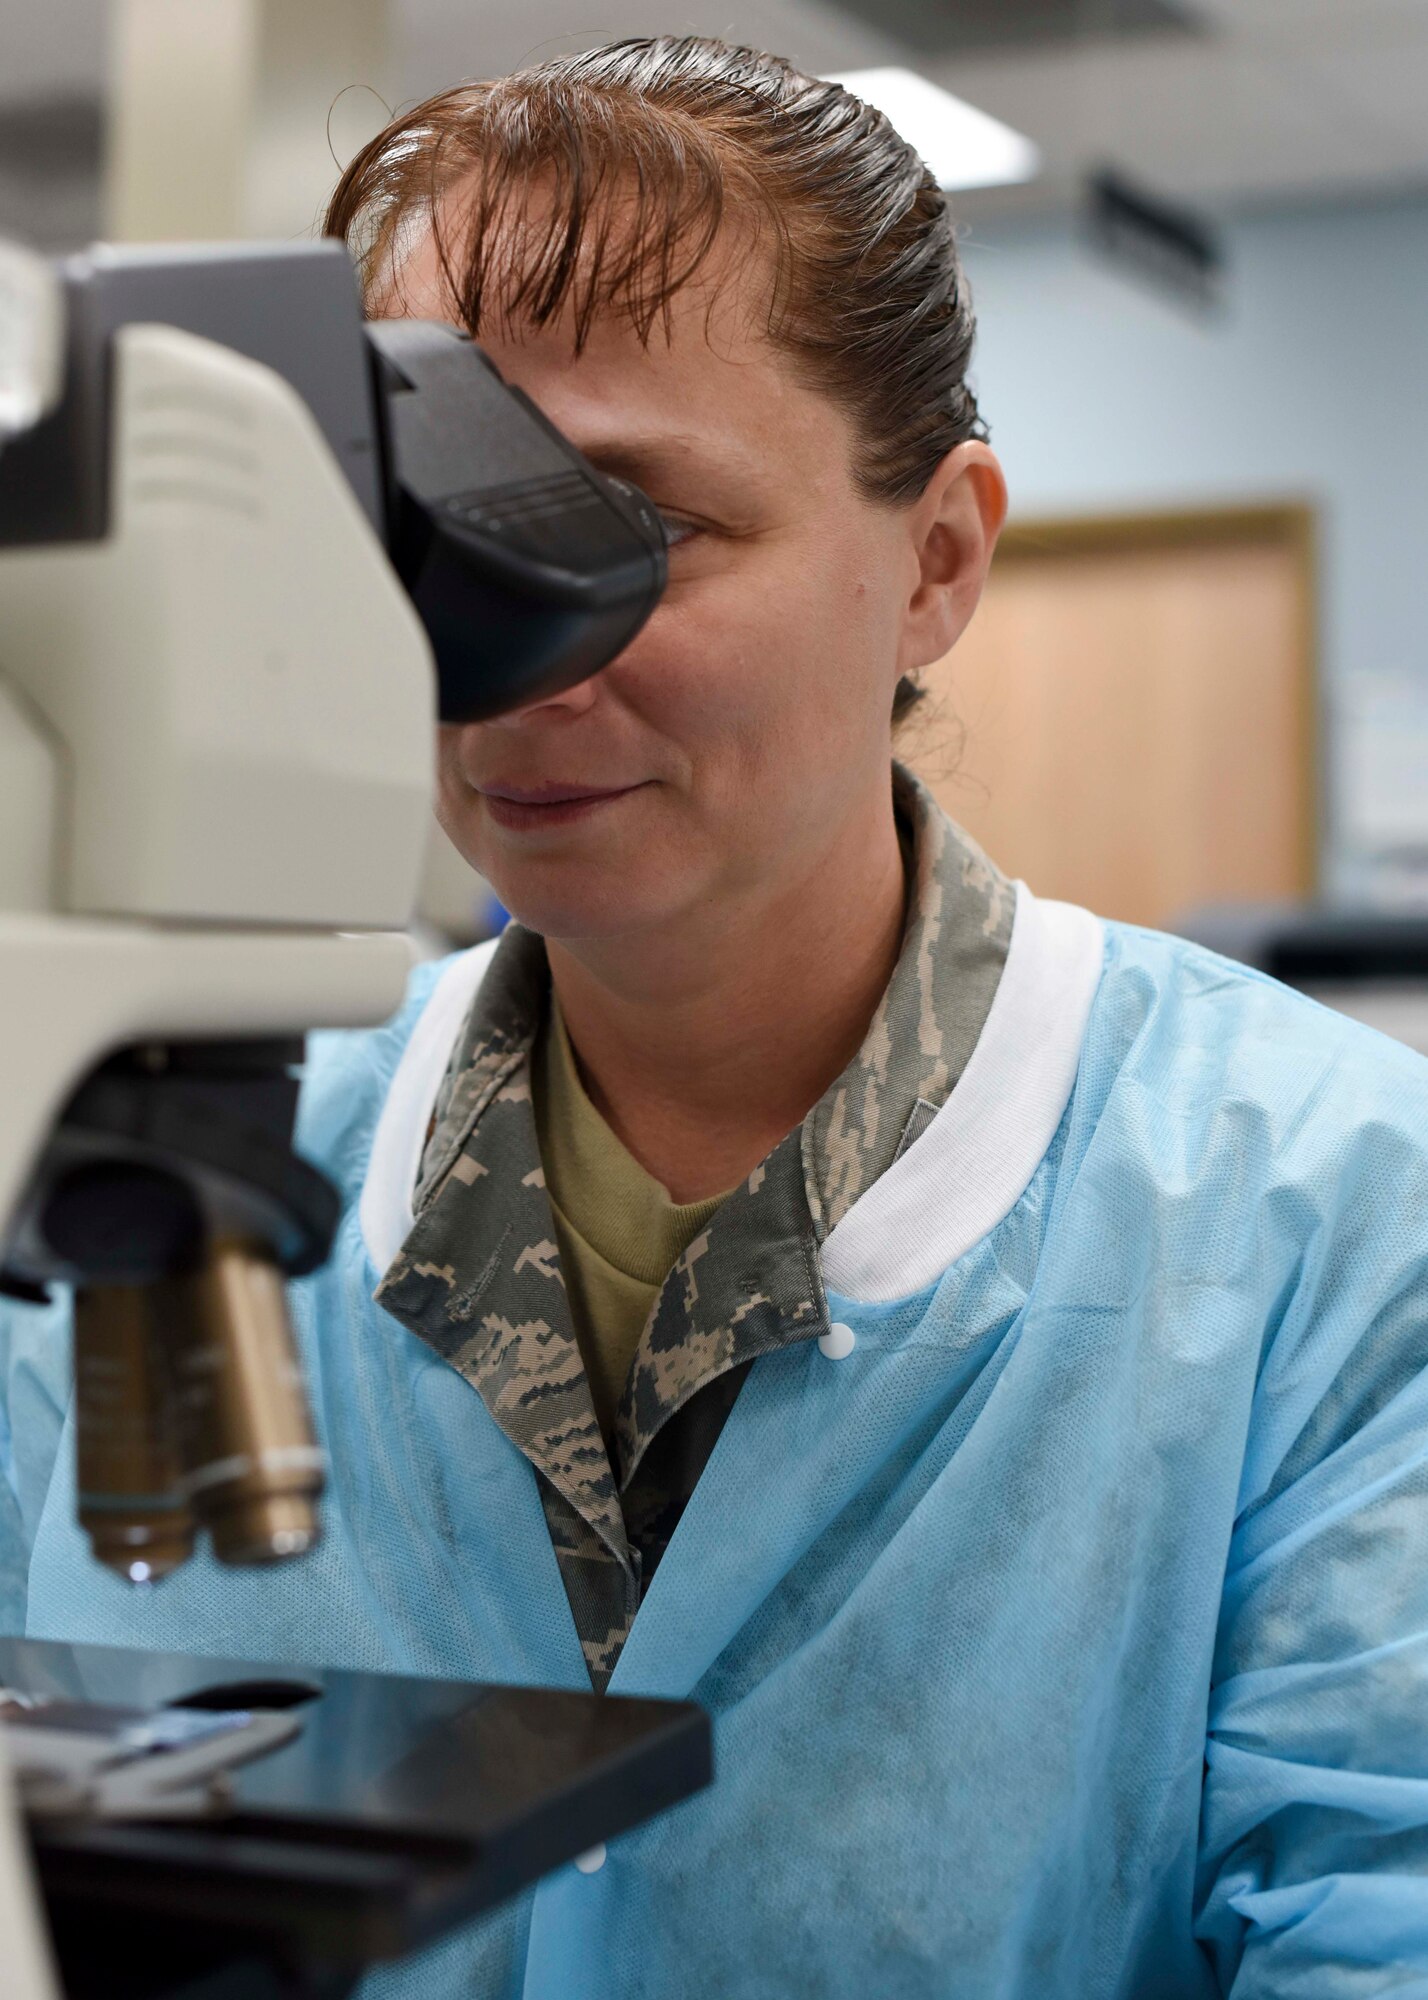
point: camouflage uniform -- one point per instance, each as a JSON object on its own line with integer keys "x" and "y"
{"x": 479, "y": 1280}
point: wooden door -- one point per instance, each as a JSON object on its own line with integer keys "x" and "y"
{"x": 1129, "y": 721}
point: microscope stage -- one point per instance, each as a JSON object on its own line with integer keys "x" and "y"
{"x": 400, "y": 1808}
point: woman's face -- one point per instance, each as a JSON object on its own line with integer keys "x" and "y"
{"x": 729, "y": 749}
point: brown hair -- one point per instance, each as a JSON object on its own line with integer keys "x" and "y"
{"x": 640, "y": 151}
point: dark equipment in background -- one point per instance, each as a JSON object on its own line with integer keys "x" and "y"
{"x": 1310, "y": 948}
{"x": 1372, "y": 967}
{"x": 1159, "y": 242}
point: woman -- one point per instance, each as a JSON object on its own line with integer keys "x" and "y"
{"x": 976, "y": 1351}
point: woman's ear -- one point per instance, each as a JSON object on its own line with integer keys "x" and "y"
{"x": 955, "y": 524}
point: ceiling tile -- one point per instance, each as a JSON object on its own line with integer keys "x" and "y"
{"x": 1382, "y": 76}
{"x": 443, "y": 41}
{"x": 1221, "y": 119}
{"x": 1286, "y": 99}
{"x": 1292, "y": 19}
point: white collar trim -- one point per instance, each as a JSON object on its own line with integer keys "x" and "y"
{"x": 967, "y": 1171}
{"x": 385, "y": 1210}
{"x": 971, "y": 1166}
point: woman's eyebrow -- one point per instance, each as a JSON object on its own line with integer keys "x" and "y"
{"x": 656, "y": 459}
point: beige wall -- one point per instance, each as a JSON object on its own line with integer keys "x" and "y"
{"x": 1129, "y": 721}
{"x": 221, "y": 112}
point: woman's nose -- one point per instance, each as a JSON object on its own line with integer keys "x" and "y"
{"x": 570, "y": 701}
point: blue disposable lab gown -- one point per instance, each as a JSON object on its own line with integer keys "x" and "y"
{"x": 1069, "y": 1637}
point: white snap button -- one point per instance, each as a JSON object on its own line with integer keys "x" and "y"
{"x": 592, "y": 1859}
{"x": 838, "y": 1342}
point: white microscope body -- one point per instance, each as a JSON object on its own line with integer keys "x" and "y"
{"x": 215, "y": 743}
{"x": 215, "y": 765}
{"x": 218, "y": 691}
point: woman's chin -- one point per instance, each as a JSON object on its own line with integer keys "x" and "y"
{"x": 581, "y": 911}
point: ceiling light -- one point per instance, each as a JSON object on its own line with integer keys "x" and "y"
{"x": 964, "y": 147}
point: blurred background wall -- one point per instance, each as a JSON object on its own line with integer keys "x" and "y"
{"x": 1309, "y": 382}
{"x": 1288, "y": 137}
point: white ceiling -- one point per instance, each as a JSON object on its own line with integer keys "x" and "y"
{"x": 443, "y": 40}
{"x": 1284, "y": 99}
{"x": 1281, "y": 100}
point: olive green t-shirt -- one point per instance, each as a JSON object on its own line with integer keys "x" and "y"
{"x": 617, "y": 1230}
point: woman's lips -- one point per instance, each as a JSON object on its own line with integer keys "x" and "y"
{"x": 526, "y": 810}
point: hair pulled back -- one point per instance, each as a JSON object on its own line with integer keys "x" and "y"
{"x": 600, "y": 182}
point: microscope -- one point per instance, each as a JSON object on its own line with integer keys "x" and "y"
{"x": 251, "y": 548}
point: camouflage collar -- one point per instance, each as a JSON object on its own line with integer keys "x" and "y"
{"x": 958, "y": 928}
{"x": 478, "y": 1277}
